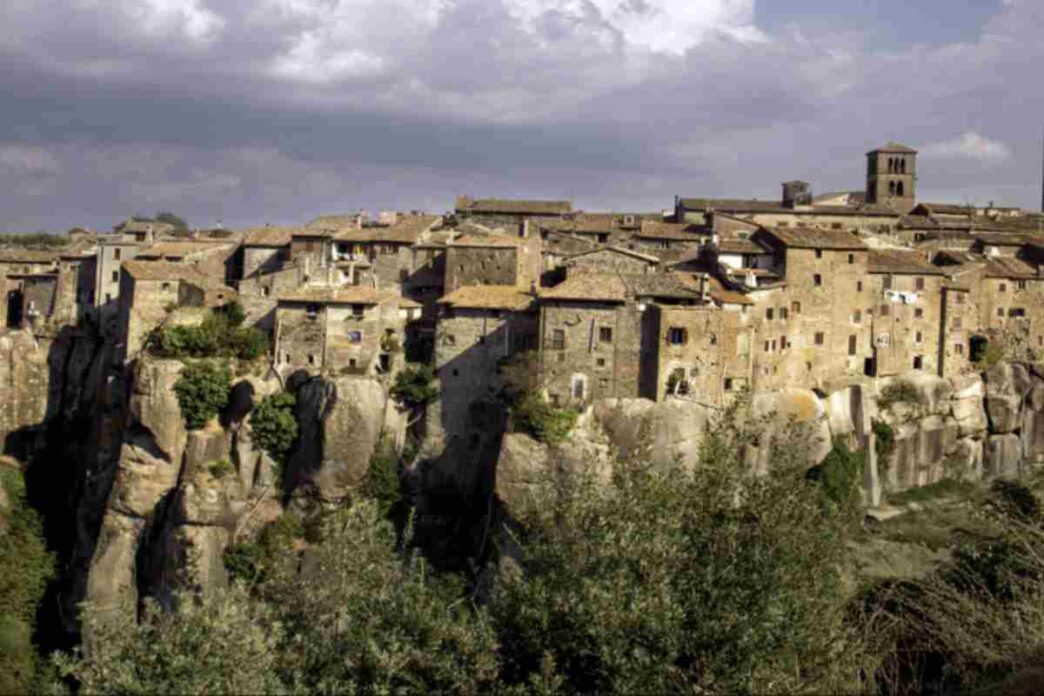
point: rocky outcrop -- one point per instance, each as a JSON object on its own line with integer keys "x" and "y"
{"x": 341, "y": 423}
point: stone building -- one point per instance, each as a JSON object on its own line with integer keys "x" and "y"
{"x": 905, "y": 311}
{"x": 511, "y": 215}
{"x": 704, "y": 352}
{"x": 388, "y": 254}
{"x": 492, "y": 260}
{"x": 612, "y": 260}
{"x": 265, "y": 250}
{"x": 345, "y": 330}
{"x": 478, "y": 328}
{"x": 113, "y": 251}
{"x": 656, "y": 235}
{"x": 150, "y": 290}
{"x": 891, "y": 177}
{"x": 311, "y": 248}
{"x": 596, "y": 339}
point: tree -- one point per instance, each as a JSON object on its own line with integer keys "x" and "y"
{"x": 170, "y": 218}
{"x": 662, "y": 579}
{"x": 224, "y": 642}
{"x": 25, "y": 568}
{"x": 273, "y": 426}
{"x": 202, "y": 391}
{"x": 359, "y": 617}
{"x": 415, "y": 386}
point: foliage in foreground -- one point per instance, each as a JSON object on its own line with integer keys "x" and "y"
{"x": 25, "y": 568}
{"x": 202, "y": 391}
{"x": 666, "y": 580}
{"x": 541, "y": 420}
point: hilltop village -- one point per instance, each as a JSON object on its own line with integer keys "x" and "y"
{"x": 699, "y": 302}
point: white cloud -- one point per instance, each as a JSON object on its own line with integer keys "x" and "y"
{"x": 971, "y": 146}
{"x": 28, "y": 160}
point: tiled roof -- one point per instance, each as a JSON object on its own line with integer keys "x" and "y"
{"x": 900, "y": 261}
{"x": 854, "y": 197}
{"x": 130, "y": 226}
{"x": 589, "y": 287}
{"x": 946, "y": 209}
{"x": 653, "y": 229}
{"x": 927, "y": 222}
{"x": 815, "y": 238}
{"x": 507, "y": 297}
{"x": 23, "y": 255}
{"x": 513, "y": 207}
{"x": 168, "y": 270}
{"x": 407, "y": 230}
{"x": 486, "y": 240}
{"x": 1009, "y": 267}
{"x": 182, "y": 249}
{"x": 659, "y": 285}
{"x": 333, "y": 222}
{"x": 739, "y": 245}
{"x": 619, "y": 250}
{"x": 755, "y": 206}
{"x": 353, "y": 294}
{"x": 1007, "y": 238}
{"x": 268, "y": 236}
{"x": 717, "y": 291}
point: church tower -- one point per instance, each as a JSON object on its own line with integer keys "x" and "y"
{"x": 891, "y": 177}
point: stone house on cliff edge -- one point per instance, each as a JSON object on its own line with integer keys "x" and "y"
{"x": 346, "y": 330}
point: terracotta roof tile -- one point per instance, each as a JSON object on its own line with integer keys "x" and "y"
{"x": 653, "y": 229}
{"x": 815, "y": 238}
{"x": 268, "y": 236}
{"x": 506, "y": 297}
{"x": 1009, "y": 267}
{"x": 589, "y": 287}
{"x": 900, "y": 261}
{"x": 407, "y": 230}
{"x": 513, "y": 207}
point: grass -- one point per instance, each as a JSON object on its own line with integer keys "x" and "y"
{"x": 947, "y": 488}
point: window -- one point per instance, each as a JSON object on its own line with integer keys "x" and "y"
{"x": 352, "y": 362}
{"x": 265, "y": 290}
{"x": 558, "y": 339}
{"x": 817, "y": 280}
{"x": 782, "y": 342}
{"x": 713, "y": 339}
{"x": 886, "y": 283}
{"x": 819, "y": 338}
{"x": 1000, "y": 311}
{"x": 358, "y": 310}
{"x": 852, "y": 345}
{"x": 918, "y": 313}
{"x": 819, "y": 253}
{"x": 1016, "y": 312}
{"x": 578, "y": 387}
{"x": 919, "y": 283}
{"x": 116, "y": 253}
{"x": 884, "y": 310}
{"x": 108, "y": 297}
{"x": 851, "y": 258}
{"x": 449, "y": 340}
{"x": 312, "y": 311}
{"x": 857, "y": 316}
{"x": 600, "y": 362}
{"x": 769, "y": 313}
{"x": 605, "y": 334}
{"x": 773, "y": 345}
{"x": 918, "y": 337}
{"x": 1003, "y": 287}
{"x": 795, "y": 307}
{"x": 918, "y": 362}
{"x": 1020, "y": 284}
{"x": 960, "y": 298}
{"x": 164, "y": 286}
{"x": 355, "y": 336}
{"x": 782, "y": 312}
{"x": 115, "y": 276}
{"x": 728, "y": 384}
{"x": 311, "y": 359}
{"x": 958, "y": 348}
{"x": 768, "y": 346}
{"x": 677, "y": 336}
{"x": 859, "y": 286}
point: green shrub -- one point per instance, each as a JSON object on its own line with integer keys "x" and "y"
{"x": 884, "y": 443}
{"x": 221, "y": 468}
{"x": 542, "y": 421}
{"x": 218, "y": 336}
{"x": 202, "y": 391}
{"x": 25, "y": 568}
{"x": 250, "y": 560}
{"x": 383, "y": 483}
{"x": 839, "y": 474}
{"x": 900, "y": 392}
{"x": 415, "y": 386}
{"x": 273, "y": 426}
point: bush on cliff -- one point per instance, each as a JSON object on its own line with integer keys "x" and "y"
{"x": 25, "y": 568}
{"x": 415, "y": 386}
{"x": 273, "y": 426}
{"x": 202, "y": 391}
{"x": 541, "y": 420}
{"x": 219, "y": 335}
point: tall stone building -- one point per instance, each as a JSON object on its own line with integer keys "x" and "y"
{"x": 891, "y": 177}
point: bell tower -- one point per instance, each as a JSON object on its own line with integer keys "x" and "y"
{"x": 891, "y": 177}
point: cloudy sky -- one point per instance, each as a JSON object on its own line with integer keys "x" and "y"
{"x": 254, "y": 111}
